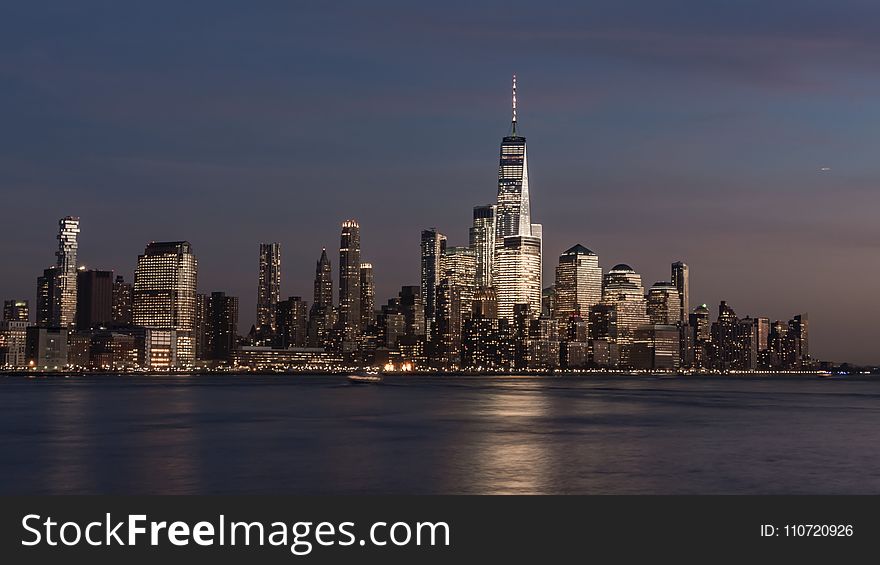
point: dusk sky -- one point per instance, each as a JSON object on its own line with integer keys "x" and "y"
{"x": 657, "y": 131}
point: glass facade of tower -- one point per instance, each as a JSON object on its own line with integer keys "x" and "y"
{"x": 680, "y": 280}
{"x": 64, "y": 299}
{"x": 623, "y": 290}
{"x": 578, "y": 283}
{"x": 459, "y": 265}
{"x": 350, "y": 283}
{"x": 518, "y": 274}
{"x": 269, "y": 285}
{"x": 513, "y": 215}
{"x": 164, "y": 296}
{"x": 482, "y": 241}
{"x": 433, "y": 245}
{"x": 518, "y": 246}
{"x": 664, "y": 304}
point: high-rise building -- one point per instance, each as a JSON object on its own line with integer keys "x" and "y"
{"x": 219, "y": 324}
{"x": 350, "y": 284}
{"x": 164, "y": 298}
{"x": 433, "y": 245}
{"x": 518, "y": 244}
{"x": 47, "y": 289}
{"x": 622, "y": 289}
{"x": 94, "y": 298}
{"x": 664, "y": 304}
{"x": 323, "y": 282}
{"x": 734, "y": 341}
{"x": 16, "y": 311}
{"x": 513, "y": 213}
{"x": 518, "y": 274}
{"x": 122, "y": 301}
{"x": 368, "y": 296}
{"x": 701, "y": 334}
{"x": 578, "y": 283}
{"x": 413, "y": 310}
{"x": 482, "y": 242}
{"x": 322, "y": 316}
{"x": 64, "y": 308}
{"x": 291, "y": 323}
{"x": 448, "y": 324}
{"x": 459, "y": 265}
{"x": 680, "y": 280}
{"x": 268, "y": 286}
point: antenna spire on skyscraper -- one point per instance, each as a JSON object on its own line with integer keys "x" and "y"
{"x": 513, "y": 121}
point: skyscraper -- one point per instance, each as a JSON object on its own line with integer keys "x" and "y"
{"x": 368, "y": 295}
{"x": 165, "y": 297}
{"x": 622, "y": 289}
{"x": 482, "y": 241}
{"x": 518, "y": 244}
{"x": 513, "y": 215}
{"x": 321, "y": 315}
{"x": 350, "y": 284}
{"x": 94, "y": 298}
{"x": 680, "y": 280}
{"x": 323, "y": 281}
{"x": 518, "y": 274}
{"x": 664, "y": 304}
{"x": 47, "y": 297}
{"x": 64, "y": 310}
{"x": 433, "y": 245}
{"x": 291, "y": 322}
{"x": 269, "y": 285}
{"x": 459, "y": 265}
{"x": 219, "y": 325}
{"x": 578, "y": 283}
{"x": 122, "y": 301}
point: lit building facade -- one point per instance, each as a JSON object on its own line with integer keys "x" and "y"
{"x": 518, "y": 274}
{"x": 64, "y": 308}
{"x": 681, "y": 281}
{"x": 268, "y": 286}
{"x": 349, "y": 320}
{"x": 578, "y": 283}
{"x": 164, "y": 298}
{"x": 482, "y": 242}
{"x": 518, "y": 245}
{"x": 664, "y": 304}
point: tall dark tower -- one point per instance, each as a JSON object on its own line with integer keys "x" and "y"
{"x": 321, "y": 316}
{"x": 323, "y": 282}
{"x": 350, "y": 283}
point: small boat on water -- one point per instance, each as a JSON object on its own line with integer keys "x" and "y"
{"x": 365, "y": 378}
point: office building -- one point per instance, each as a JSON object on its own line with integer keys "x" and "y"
{"x": 578, "y": 283}
{"x": 164, "y": 301}
{"x": 349, "y": 321}
{"x": 433, "y": 245}
{"x": 94, "y": 298}
{"x": 268, "y": 286}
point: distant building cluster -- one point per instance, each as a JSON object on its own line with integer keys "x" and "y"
{"x": 481, "y": 307}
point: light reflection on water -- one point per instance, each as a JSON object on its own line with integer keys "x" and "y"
{"x": 230, "y": 434}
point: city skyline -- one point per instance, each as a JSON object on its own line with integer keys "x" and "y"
{"x": 730, "y": 182}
